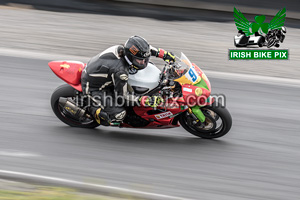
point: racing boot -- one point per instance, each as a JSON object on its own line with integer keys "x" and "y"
{"x": 102, "y": 117}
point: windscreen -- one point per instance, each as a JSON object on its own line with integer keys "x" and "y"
{"x": 181, "y": 66}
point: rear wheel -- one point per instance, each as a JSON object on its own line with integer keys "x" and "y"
{"x": 217, "y": 123}
{"x": 66, "y": 92}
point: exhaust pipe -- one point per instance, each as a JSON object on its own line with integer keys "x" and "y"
{"x": 70, "y": 107}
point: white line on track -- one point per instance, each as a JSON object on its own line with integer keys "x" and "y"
{"x": 21, "y": 53}
{"x": 253, "y": 78}
{"x": 14, "y": 153}
{"x": 213, "y": 74}
{"x": 78, "y": 183}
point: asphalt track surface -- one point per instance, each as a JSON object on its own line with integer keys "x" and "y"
{"x": 258, "y": 159}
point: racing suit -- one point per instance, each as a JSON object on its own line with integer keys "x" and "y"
{"x": 104, "y": 80}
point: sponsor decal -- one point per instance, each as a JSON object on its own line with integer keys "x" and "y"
{"x": 197, "y": 69}
{"x": 70, "y": 110}
{"x": 163, "y": 115}
{"x": 193, "y": 74}
{"x": 187, "y": 89}
{"x": 65, "y": 66}
{"x": 133, "y": 50}
{"x": 198, "y": 92}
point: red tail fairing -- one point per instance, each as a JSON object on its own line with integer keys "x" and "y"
{"x": 68, "y": 71}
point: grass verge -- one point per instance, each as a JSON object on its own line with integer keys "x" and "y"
{"x": 51, "y": 193}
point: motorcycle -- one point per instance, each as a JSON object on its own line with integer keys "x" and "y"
{"x": 183, "y": 85}
{"x": 241, "y": 40}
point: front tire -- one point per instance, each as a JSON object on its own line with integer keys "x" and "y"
{"x": 66, "y": 91}
{"x": 218, "y": 122}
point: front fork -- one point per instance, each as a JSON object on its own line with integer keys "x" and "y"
{"x": 196, "y": 111}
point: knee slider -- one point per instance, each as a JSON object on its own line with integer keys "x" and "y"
{"x": 120, "y": 116}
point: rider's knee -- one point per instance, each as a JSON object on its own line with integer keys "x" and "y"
{"x": 120, "y": 116}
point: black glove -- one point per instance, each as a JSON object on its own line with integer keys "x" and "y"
{"x": 167, "y": 56}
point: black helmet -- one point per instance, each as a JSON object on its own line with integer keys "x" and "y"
{"x": 137, "y": 52}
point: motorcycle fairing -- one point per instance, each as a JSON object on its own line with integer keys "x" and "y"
{"x": 190, "y": 77}
{"x": 77, "y": 87}
{"x": 163, "y": 119}
{"x": 195, "y": 85}
{"x": 204, "y": 83}
{"x": 193, "y": 94}
{"x": 198, "y": 92}
{"x": 146, "y": 79}
{"x": 68, "y": 71}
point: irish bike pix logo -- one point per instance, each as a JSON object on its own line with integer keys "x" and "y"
{"x": 259, "y": 39}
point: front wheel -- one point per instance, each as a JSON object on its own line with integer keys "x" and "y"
{"x": 217, "y": 123}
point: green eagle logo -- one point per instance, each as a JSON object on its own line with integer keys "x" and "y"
{"x": 259, "y": 26}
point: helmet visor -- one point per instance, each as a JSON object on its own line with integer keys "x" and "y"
{"x": 141, "y": 63}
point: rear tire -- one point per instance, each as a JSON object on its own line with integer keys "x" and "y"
{"x": 219, "y": 113}
{"x": 67, "y": 91}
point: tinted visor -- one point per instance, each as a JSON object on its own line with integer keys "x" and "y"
{"x": 141, "y": 63}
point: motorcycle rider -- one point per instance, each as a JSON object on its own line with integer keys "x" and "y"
{"x": 275, "y": 36}
{"x": 105, "y": 77}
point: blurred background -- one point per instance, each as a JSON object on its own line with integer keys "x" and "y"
{"x": 204, "y": 30}
{"x": 258, "y": 159}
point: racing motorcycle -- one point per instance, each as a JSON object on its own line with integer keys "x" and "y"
{"x": 184, "y": 87}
